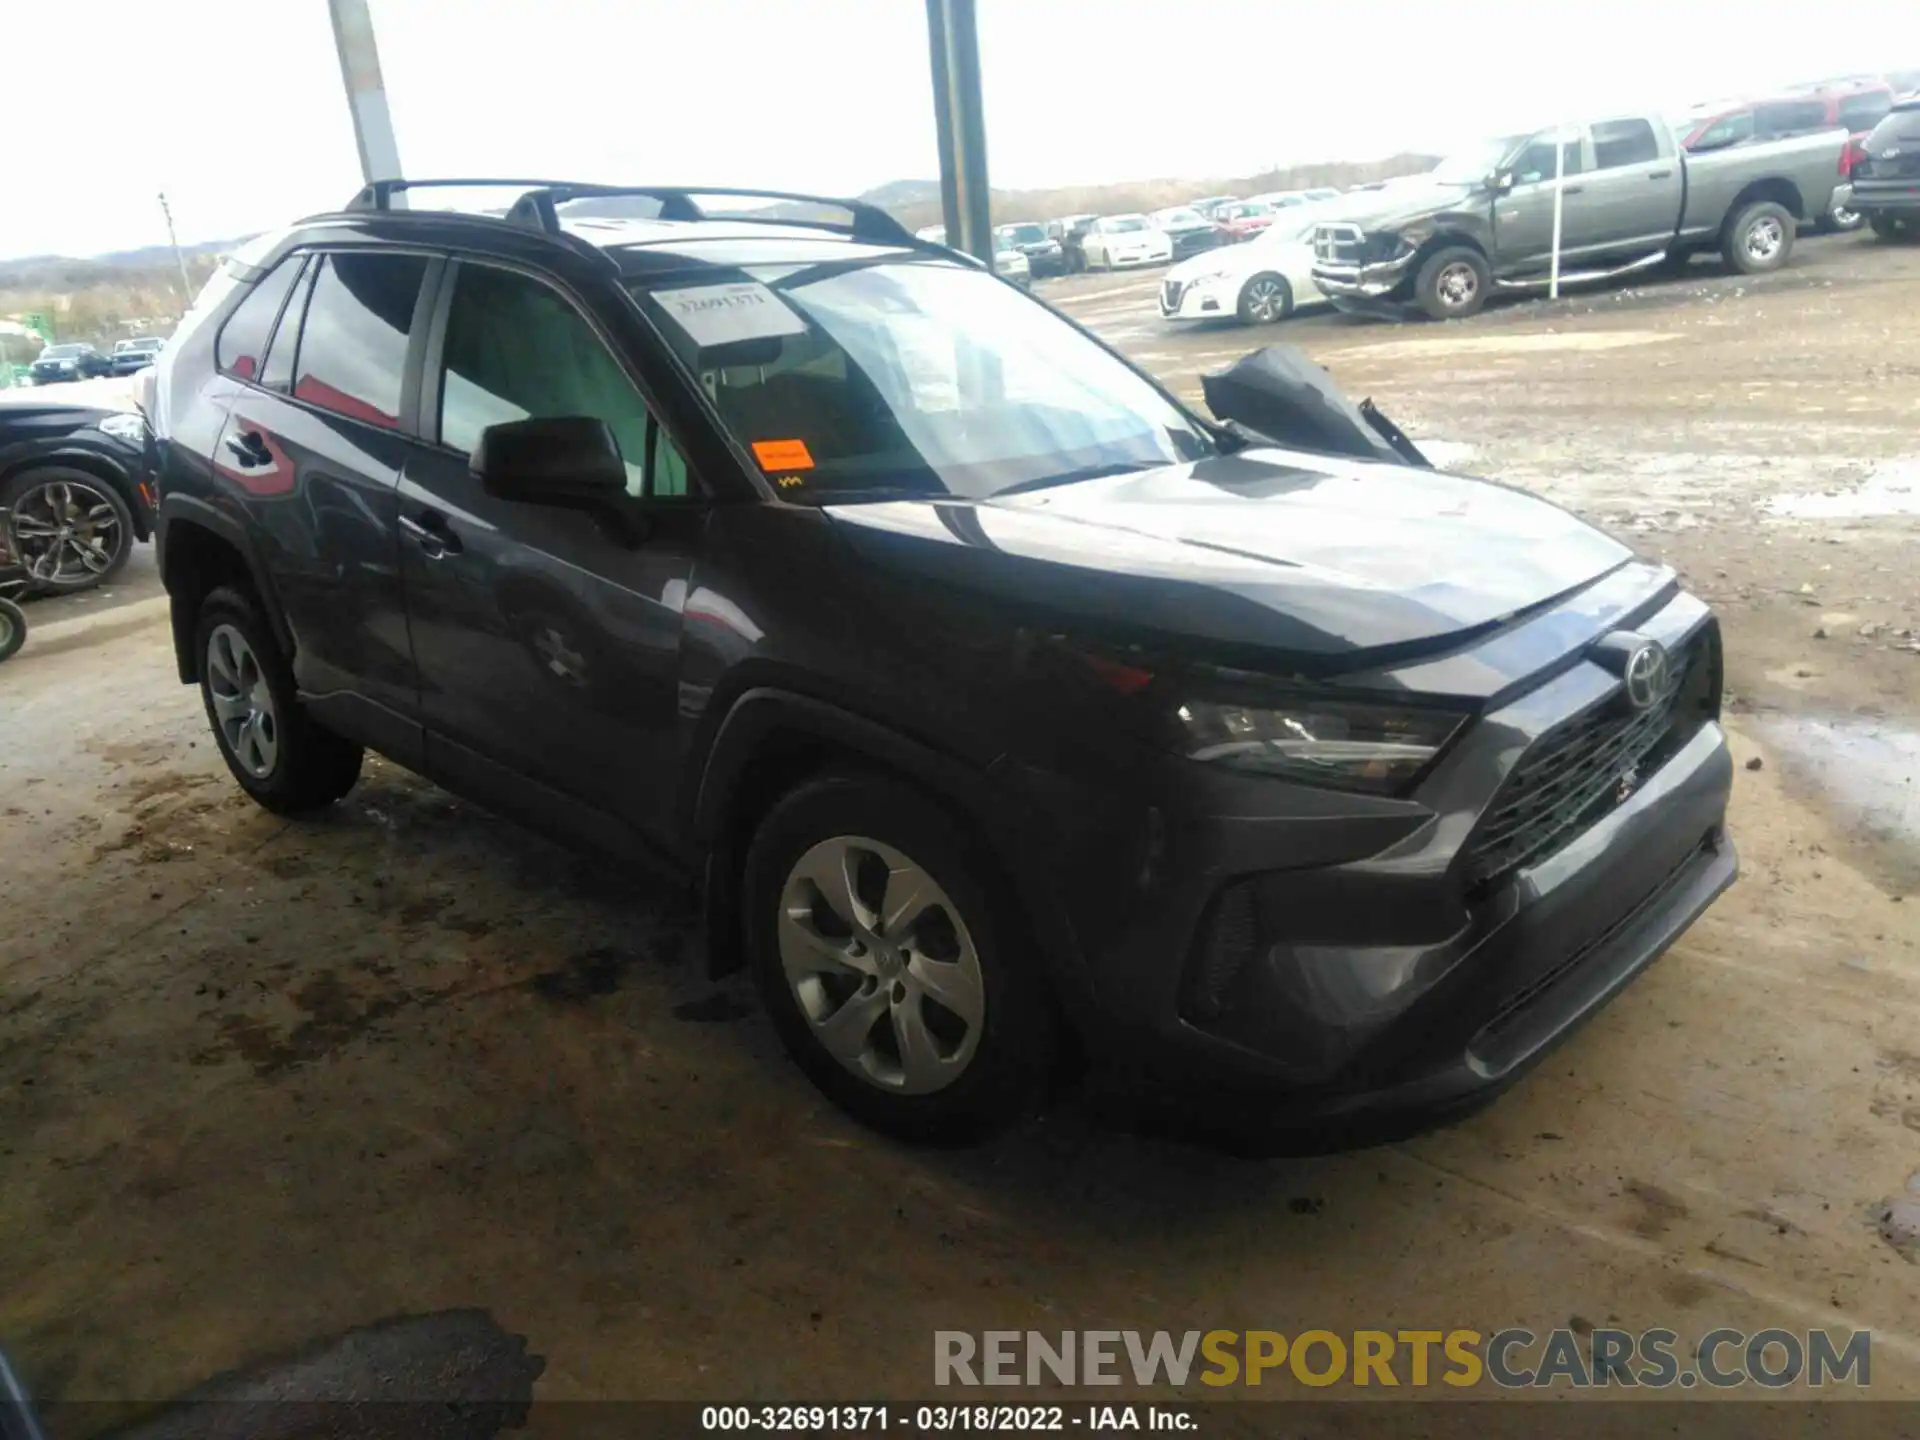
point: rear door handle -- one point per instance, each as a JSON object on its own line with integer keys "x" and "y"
{"x": 1659, "y": 174}
{"x": 431, "y": 533}
{"x": 250, "y": 446}
{"x": 1572, "y": 189}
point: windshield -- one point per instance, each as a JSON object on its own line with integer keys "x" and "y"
{"x": 1119, "y": 224}
{"x": 1474, "y": 164}
{"x": 63, "y": 352}
{"x": 1022, "y": 235}
{"x": 889, "y": 375}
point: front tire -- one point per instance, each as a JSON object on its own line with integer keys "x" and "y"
{"x": 279, "y": 755}
{"x": 1759, "y": 239}
{"x": 890, "y": 959}
{"x": 74, "y": 530}
{"x": 1453, "y": 283}
{"x": 1265, "y": 299}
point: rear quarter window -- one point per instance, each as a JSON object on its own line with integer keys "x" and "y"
{"x": 242, "y": 347}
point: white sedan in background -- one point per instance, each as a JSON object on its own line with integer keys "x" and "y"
{"x": 1115, "y": 242}
{"x": 1257, "y": 283}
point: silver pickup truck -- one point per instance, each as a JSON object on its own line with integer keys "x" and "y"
{"x": 1482, "y": 222}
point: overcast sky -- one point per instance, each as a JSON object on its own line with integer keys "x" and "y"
{"x": 235, "y": 109}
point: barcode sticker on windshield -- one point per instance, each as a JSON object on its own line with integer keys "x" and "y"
{"x": 722, "y": 314}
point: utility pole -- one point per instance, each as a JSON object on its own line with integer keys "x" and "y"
{"x": 186, "y": 285}
{"x": 964, "y": 198}
{"x": 366, "y": 92}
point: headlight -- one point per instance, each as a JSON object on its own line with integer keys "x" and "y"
{"x": 128, "y": 426}
{"x": 1207, "y": 277}
{"x": 1381, "y": 748}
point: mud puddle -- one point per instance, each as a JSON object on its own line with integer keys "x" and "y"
{"x": 1887, "y": 489}
{"x": 1867, "y": 771}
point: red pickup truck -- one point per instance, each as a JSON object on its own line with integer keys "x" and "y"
{"x": 1855, "y": 106}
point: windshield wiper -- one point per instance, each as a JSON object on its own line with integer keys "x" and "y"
{"x": 1074, "y": 477}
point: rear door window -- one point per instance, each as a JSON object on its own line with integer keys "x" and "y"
{"x": 1623, "y": 142}
{"x": 242, "y": 346}
{"x": 353, "y": 345}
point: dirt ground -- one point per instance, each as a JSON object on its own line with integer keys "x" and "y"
{"x": 263, "y": 1082}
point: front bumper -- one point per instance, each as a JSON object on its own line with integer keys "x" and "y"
{"x": 131, "y": 367}
{"x": 1295, "y": 992}
{"x": 1136, "y": 260}
{"x": 52, "y": 377}
{"x": 1376, "y": 281}
{"x": 1200, "y": 300}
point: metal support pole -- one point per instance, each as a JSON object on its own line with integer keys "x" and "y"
{"x": 366, "y": 92}
{"x": 1559, "y": 205}
{"x": 964, "y": 198}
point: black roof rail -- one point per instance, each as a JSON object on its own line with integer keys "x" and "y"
{"x": 537, "y": 208}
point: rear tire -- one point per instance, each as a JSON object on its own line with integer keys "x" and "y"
{"x": 278, "y": 753}
{"x": 1759, "y": 238}
{"x": 13, "y": 629}
{"x": 1453, "y": 283}
{"x": 937, "y": 1028}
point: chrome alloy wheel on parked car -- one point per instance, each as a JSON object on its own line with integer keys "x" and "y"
{"x": 71, "y": 534}
{"x": 881, "y": 965}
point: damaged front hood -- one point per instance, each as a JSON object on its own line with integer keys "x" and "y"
{"x": 1415, "y": 200}
{"x": 1327, "y": 561}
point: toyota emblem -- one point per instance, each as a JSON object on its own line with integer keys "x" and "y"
{"x": 1646, "y": 675}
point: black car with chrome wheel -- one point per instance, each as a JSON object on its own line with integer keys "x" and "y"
{"x": 74, "y": 477}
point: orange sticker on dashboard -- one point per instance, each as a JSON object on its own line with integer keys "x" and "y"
{"x": 782, "y": 454}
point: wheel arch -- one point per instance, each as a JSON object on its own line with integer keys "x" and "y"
{"x": 200, "y": 549}
{"x": 771, "y": 740}
{"x": 1777, "y": 188}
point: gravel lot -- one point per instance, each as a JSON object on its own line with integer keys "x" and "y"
{"x": 260, "y": 1083}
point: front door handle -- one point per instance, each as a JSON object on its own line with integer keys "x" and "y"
{"x": 1572, "y": 189}
{"x": 431, "y": 533}
{"x": 1658, "y": 174}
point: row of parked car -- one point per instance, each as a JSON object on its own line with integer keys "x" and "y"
{"x": 1741, "y": 179}
{"x": 80, "y": 361}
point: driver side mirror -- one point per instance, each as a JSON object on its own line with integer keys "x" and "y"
{"x": 1500, "y": 182}
{"x": 571, "y": 461}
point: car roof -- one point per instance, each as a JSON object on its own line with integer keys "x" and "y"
{"x": 681, "y": 238}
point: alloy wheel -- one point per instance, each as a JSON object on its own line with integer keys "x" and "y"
{"x": 1264, "y": 300}
{"x": 881, "y": 964}
{"x": 68, "y": 532}
{"x": 242, "y": 702}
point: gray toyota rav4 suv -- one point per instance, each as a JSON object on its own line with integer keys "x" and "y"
{"x": 999, "y": 705}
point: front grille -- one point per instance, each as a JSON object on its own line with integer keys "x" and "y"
{"x": 1582, "y": 769}
{"x": 1339, "y": 244}
{"x": 1170, "y": 294}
